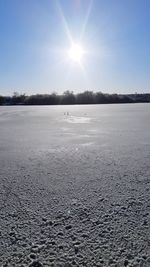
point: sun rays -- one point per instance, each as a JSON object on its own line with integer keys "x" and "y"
{"x": 76, "y": 51}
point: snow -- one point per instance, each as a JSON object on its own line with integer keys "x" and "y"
{"x": 74, "y": 185}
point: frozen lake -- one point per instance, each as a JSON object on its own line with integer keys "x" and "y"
{"x": 74, "y": 185}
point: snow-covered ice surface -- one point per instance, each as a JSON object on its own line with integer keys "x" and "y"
{"x": 75, "y": 186}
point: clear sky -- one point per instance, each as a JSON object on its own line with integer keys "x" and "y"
{"x": 36, "y": 35}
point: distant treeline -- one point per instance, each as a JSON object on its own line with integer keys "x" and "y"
{"x": 69, "y": 98}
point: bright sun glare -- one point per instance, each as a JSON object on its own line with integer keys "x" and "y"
{"x": 76, "y": 53}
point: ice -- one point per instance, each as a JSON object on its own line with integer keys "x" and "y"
{"x": 74, "y": 185}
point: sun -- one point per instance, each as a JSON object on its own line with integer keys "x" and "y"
{"x": 76, "y": 52}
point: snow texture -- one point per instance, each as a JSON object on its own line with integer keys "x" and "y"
{"x": 74, "y": 186}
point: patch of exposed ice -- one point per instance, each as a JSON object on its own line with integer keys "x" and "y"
{"x": 87, "y": 144}
{"x": 75, "y": 119}
{"x": 93, "y": 130}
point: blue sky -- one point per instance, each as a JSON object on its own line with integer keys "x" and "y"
{"x": 34, "y": 41}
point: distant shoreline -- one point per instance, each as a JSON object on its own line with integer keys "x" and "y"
{"x": 69, "y": 98}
